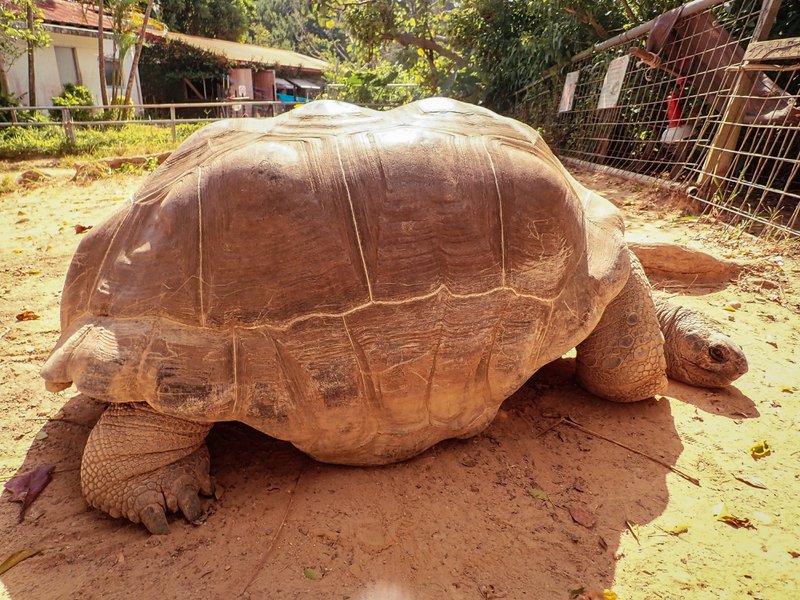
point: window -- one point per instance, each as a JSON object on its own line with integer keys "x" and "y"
{"x": 110, "y": 65}
{"x": 67, "y": 65}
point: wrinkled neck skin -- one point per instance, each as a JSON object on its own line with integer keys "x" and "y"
{"x": 697, "y": 352}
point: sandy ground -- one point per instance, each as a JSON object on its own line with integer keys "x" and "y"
{"x": 529, "y": 509}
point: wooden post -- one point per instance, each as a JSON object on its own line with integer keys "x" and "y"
{"x": 69, "y": 129}
{"x": 172, "y": 123}
{"x": 720, "y": 157}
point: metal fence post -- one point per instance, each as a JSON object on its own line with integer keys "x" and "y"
{"x": 69, "y": 130}
{"x": 172, "y": 123}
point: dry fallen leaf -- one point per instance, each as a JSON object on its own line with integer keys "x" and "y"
{"x": 82, "y": 228}
{"x": 16, "y": 558}
{"x": 724, "y": 515}
{"x": 677, "y": 528}
{"x": 760, "y": 450}
{"x": 750, "y": 480}
{"x": 27, "y": 315}
{"x": 25, "y": 488}
{"x": 539, "y": 493}
{"x": 582, "y": 516}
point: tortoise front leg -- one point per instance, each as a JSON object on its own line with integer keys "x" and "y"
{"x": 138, "y": 463}
{"x": 623, "y": 358}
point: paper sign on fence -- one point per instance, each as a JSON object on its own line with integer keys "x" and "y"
{"x": 568, "y": 94}
{"x": 612, "y": 84}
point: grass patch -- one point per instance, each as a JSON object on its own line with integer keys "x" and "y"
{"x": 94, "y": 141}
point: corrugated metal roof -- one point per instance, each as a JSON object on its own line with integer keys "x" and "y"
{"x": 249, "y": 53}
{"x": 304, "y": 84}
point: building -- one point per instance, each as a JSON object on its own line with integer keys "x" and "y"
{"x": 260, "y": 73}
{"x": 71, "y": 56}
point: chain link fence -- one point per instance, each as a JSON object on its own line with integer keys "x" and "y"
{"x": 699, "y": 99}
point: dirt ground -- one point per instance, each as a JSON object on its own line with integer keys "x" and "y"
{"x": 533, "y": 508}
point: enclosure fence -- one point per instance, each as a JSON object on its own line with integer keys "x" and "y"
{"x": 698, "y": 99}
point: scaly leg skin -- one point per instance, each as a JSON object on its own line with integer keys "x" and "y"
{"x": 623, "y": 358}
{"x": 138, "y": 463}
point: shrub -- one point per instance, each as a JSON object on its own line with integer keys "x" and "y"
{"x": 123, "y": 113}
{"x": 73, "y": 95}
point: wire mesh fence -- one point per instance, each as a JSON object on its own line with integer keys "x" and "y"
{"x": 697, "y": 99}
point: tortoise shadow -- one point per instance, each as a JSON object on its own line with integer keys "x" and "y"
{"x": 727, "y": 402}
{"x": 484, "y": 514}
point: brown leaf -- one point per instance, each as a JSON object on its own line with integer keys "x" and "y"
{"x": 582, "y": 516}
{"x": 750, "y": 480}
{"x": 25, "y": 488}
{"x": 82, "y": 228}
{"x": 27, "y": 315}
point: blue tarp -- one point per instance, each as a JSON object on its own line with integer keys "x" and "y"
{"x": 290, "y": 98}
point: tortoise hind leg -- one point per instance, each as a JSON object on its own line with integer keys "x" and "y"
{"x": 623, "y": 358}
{"x": 139, "y": 463}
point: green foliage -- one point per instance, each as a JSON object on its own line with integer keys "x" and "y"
{"x": 14, "y": 31}
{"x": 127, "y": 140}
{"x": 369, "y": 85}
{"x": 164, "y": 64}
{"x": 410, "y": 33}
{"x": 223, "y": 19}
{"x": 291, "y": 25}
{"x": 73, "y": 95}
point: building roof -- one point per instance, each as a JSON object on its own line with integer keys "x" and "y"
{"x": 61, "y": 12}
{"x": 250, "y": 53}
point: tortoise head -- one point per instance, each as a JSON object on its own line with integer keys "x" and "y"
{"x": 697, "y": 352}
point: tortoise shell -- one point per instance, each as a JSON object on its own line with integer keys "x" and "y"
{"x": 363, "y": 284}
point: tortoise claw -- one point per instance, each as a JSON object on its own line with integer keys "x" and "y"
{"x": 154, "y": 519}
{"x": 190, "y": 505}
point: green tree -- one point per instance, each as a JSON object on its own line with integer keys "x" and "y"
{"x": 410, "y": 33}
{"x": 16, "y": 36}
{"x": 223, "y": 19}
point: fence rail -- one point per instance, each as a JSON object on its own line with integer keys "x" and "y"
{"x": 699, "y": 98}
{"x": 163, "y": 114}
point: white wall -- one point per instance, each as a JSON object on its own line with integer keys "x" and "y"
{"x": 48, "y": 82}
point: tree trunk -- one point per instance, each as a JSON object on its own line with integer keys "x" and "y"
{"x": 4, "y": 87}
{"x": 31, "y": 64}
{"x": 101, "y": 53}
{"x": 137, "y": 53}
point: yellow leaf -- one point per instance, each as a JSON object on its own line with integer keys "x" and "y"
{"x": 609, "y": 595}
{"x": 733, "y": 520}
{"x": 16, "y": 558}
{"x": 330, "y": 23}
{"x": 420, "y": 51}
{"x": 729, "y": 308}
{"x": 760, "y": 450}
{"x": 677, "y": 528}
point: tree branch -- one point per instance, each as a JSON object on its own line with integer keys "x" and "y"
{"x": 587, "y": 18}
{"x": 406, "y": 39}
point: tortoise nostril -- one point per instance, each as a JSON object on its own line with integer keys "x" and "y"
{"x": 717, "y": 354}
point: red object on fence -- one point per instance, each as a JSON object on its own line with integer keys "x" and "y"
{"x": 674, "y": 112}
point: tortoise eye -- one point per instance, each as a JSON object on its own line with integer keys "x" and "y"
{"x": 717, "y": 354}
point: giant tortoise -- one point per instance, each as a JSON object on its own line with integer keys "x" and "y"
{"x": 362, "y": 284}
